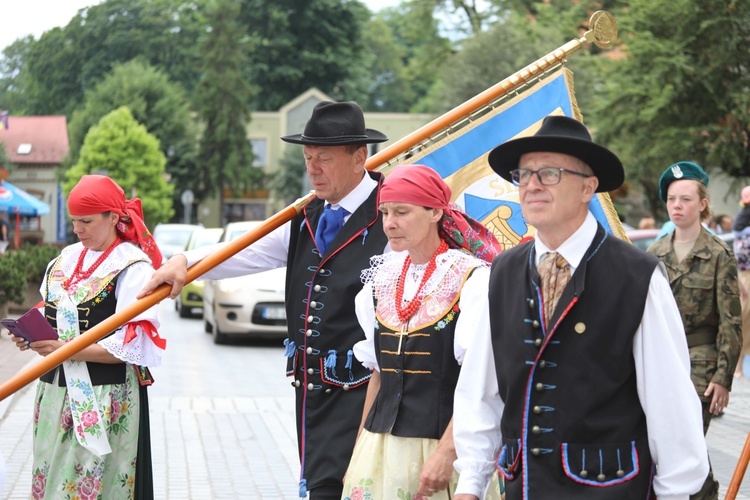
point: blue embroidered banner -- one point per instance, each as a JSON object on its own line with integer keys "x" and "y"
{"x": 461, "y": 159}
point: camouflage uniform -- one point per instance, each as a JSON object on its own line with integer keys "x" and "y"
{"x": 707, "y": 293}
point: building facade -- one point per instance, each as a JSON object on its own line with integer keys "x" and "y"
{"x": 37, "y": 146}
{"x": 264, "y": 132}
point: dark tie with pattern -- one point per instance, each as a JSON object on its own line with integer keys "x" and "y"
{"x": 329, "y": 225}
{"x": 554, "y": 271}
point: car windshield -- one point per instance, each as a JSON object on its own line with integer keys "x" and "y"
{"x": 173, "y": 236}
{"x": 236, "y": 232}
{"x": 204, "y": 238}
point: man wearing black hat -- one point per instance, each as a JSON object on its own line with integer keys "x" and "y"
{"x": 324, "y": 248}
{"x": 577, "y": 383}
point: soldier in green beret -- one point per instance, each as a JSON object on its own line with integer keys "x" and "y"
{"x": 703, "y": 276}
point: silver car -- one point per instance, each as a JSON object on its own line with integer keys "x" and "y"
{"x": 247, "y": 306}
{"x": 171, "y": 238}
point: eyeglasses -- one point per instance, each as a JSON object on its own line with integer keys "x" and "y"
{"x": 548, "y": 176}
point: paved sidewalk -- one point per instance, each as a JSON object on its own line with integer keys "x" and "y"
{"x": 11, "y": 362}
{"x": 203, "y": 448}
{"x": 244, "y": 448}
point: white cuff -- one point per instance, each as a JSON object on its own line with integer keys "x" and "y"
{"x": 473, "y": 477}
{"x": 139, "y": 351}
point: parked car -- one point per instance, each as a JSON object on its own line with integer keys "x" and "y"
{"x": 251, "y": 305}
{"x": 171, "y": 238}
{"x": 191, "y": 296}
{"x": 642, "y": 238}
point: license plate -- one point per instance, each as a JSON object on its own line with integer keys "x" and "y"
{"x": 274, "y": 313}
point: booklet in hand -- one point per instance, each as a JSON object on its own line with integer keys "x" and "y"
{"x": 32, "y": 326}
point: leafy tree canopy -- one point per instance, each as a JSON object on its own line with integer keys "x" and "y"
{"x": 223, "y": 99}
{"x": 287, "y": 183}
{"x": 124, "y": 150}
{"x": 681, "y": 91}
{"x": 489, "y": 57}
{"x": 406, "y": 53}
{"x": 13, "y": 75}
{"x": 298, "y": 44}
{"x": 65, "y": 62}
{"x": 4, "y": 158}
{"x": 155, "y": 102}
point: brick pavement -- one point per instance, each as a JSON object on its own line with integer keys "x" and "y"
{"x": 11, "y": 361}
{"x": 203, "y": 448}
{"x": 244, "y": 448}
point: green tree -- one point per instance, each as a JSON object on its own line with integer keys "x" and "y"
{"x": 288, "y": 182}
{"x": 407, "y": 53}
{"x": 13, "y": 75}
{"x": 66, "y": 62}
{"x": 298, "y": 44}
{"x": 4, "y": 158}
{"x": 488, "y": 58}
{"x": 128, "y": 154}
{"x": 575, "y": 12}
{"x": 155, "y": 102}
{"x": 681, "y": 92}
{"x": 389, "y": 90}
{"x": 224, "y": 100}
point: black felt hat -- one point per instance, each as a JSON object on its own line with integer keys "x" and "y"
{"x": 336, "y": 124}
{"x": 560, "y": 134}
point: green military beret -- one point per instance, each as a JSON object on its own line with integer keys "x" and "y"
{"x": 680, "y": 171}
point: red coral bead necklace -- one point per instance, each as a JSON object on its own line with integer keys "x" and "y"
{"x": 404, "y": 313}
{"x": 79, "y": 274}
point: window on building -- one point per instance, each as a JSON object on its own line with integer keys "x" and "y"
{"x": 260, "y": 152}
{"x": 239, "y": 211}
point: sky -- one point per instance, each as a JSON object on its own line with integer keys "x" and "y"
{"x": 34, "y": 17}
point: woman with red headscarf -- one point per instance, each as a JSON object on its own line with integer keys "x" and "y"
{"x": 409, "y": 308}
{"x": 91, "y": 428}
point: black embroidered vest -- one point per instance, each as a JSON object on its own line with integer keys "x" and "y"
{"x": 418, "y": 375}
{"x": 90, "y": 313}
{"x": 330, "y": 383}
{"x": 572, "y": 426}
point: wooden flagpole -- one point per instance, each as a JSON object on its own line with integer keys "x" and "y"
{"x": 739, "y": 471}
{"x": 602, "y": 32}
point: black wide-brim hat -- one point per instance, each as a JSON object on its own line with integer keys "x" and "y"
{"x": 560, "y": 134}
{"x": 336, "y": 124}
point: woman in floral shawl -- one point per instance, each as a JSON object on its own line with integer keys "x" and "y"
{"x": 91, "y": 428}
{"x": 409, "y": 308}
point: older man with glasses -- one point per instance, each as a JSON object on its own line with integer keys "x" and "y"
{"x": 578, "y": 382}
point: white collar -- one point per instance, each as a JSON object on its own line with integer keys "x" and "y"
{"x": 357, "y": 196}
{"x": 574, "y": 248}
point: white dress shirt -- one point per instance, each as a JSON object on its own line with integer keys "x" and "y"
{"x": 271, "y": 251}
{"x": 141, "y": 350}
{"x": 662, "y": 364}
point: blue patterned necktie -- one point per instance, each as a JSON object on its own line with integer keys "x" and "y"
{"x": 329, "y": 225}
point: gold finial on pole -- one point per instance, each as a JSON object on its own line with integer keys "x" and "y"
{"x": 602, "y": 29}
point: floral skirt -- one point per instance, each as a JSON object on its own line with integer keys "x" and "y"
{"x": 63, "y": 469}
{"x": 386, "y": 466}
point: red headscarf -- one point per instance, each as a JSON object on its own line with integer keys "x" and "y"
{"x": 96, "y": 194}
{"x": 420, "y": 185}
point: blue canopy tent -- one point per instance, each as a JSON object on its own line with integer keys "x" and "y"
{"x": 14, "y": 200}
